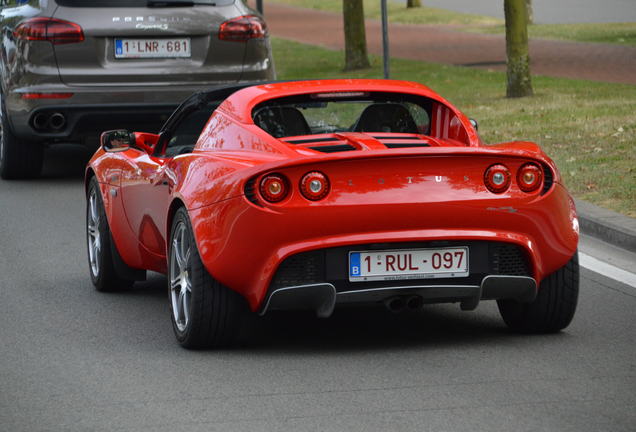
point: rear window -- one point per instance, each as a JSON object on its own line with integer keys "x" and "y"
{"x": 140, "y": 3}
{"x": 344, "y": 112}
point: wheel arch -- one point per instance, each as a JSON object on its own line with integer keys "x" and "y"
{"x": 175, "y": 205}
{"x": 90, "y": 173}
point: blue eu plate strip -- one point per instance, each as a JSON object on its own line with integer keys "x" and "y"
{"x": 354, "y": 264}
{"x": 119, "y": 49}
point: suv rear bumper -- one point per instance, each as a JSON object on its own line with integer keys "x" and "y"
{"x": 84, "y": 123}
{"x": 91, "y": 110}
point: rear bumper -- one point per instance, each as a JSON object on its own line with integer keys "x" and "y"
{"x": 322, "y": 298}
{"x": 91, "y": 110}
{"x": 84, "y": 123}
{"x": 243, "y": 246}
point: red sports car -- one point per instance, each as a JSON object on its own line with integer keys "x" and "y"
{"x": 315, "y": 194}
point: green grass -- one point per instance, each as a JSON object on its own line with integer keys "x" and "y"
{"x": 615, "y": 33}
{"x": 588, "y": 128}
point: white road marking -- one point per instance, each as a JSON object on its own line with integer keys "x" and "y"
{"x": 608, "y": 270}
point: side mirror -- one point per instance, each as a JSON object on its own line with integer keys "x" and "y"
{"x": 474, "y": 123}
{"x": 117, "y": 140}
{"x": 146, "y": 141}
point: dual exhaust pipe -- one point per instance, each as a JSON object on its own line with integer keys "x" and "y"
{"x": 399, "y": 304}
{"x": 43, "y": 121}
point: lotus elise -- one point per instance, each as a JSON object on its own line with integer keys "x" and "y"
{"x": 311, "y": 195}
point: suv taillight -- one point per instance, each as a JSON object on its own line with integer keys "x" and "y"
{"x": 243, "y": 28}
{"x": 53, "y": 30}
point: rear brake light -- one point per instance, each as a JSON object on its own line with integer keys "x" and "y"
{"x": 497, "y": 178}
{"x": 53, "y": 30}
{"x": 46, "y": 95}
{"x": 243, "y": 28}
{"x": 529, "y": 177}
{"x": 274, "y": 188}
{"x": 314, "y": 186}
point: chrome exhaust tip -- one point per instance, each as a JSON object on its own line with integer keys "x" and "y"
{"x": 57, "y": 121}
{"x": 415, "y": 302}
{"x": 395, "y": 304}
{"x": 40, "y": 121}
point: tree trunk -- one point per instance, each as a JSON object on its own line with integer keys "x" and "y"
{"x": 530, "y": 12}
{"x": 415, "y": 3}
{"x": 355, "y": 37}
{"x": 519, "y": 82}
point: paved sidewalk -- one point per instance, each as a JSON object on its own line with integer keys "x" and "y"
{"x": 441, "y": 44}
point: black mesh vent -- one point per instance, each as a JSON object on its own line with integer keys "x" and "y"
{"x": 508, "y": 259}
{"x": 301, "y": 269}
{"x": 405, "y": 145}
{"x": 311, "y": 140}
{"x": 333, "y": 148}
{"x": 250, "y": 191}
{"x": 400, "y": 137}
{"x": 548, "y": 179}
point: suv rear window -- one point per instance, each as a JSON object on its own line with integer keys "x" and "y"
{"x": 140, "y": 3}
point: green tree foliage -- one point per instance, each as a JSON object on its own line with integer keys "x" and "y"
{"x": 415, "y": 3}
{"x": 355, "y": 37}
{"x": 518, "y": 71}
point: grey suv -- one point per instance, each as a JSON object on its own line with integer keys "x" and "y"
{"x": 73, "y": 68}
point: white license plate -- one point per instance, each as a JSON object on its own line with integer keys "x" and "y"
{"x": 408, "y": 264}
{"x": 152, "y": 48}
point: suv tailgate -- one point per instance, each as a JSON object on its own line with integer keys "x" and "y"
{"x": 93, "y": 62}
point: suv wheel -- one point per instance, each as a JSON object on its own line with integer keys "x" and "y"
{"x": 18, "y": 159}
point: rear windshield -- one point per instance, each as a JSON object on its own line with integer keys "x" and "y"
{"x": 344, "y": 112}
{"x": 140, "y": 3}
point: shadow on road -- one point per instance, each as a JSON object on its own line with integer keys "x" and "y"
{"x": 371, "y": 329}
{"x": 65, "y": 161}
{"x": 353, "y": 330}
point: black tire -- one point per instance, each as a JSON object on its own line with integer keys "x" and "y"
{"x": 554, "y": 307}
{"x": 101, "y": 265}
{"x": 18, "y": 159}
{"x": 214, "y": 312}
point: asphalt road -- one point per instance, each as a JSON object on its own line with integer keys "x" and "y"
{"x": 548, "y": 11}
{"x": 78, "y": 360}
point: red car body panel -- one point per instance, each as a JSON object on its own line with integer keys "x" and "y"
{"x": 377, "y": 195}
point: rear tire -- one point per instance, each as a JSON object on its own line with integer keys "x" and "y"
{"x": 205, "y": 314}
{"x": 98, "y": 238}
{"x": 18, "y": 159}
{"x": 554, "y": 307}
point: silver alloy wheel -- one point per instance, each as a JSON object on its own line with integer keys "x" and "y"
{"x": 180, "y": 282}
{"x": 93, "y": 237}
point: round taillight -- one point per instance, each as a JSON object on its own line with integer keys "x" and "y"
{"x": 273, "y": 188}
{"x": 497, "y": 178}
{"x": 314, "y": 186}
{"x": 529, "y": 177}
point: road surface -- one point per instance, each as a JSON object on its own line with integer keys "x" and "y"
{"x": 73, "y": 359}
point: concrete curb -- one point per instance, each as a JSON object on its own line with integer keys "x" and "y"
{"x": 607, "y": 225}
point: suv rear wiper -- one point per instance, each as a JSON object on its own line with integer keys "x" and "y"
{"x": 176, "y": 3}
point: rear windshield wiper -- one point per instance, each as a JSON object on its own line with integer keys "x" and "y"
{"x": 177, "y": 3}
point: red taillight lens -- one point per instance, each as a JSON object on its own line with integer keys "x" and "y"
{"x": 273, "y": 188}
{"x": 497, "y": 178}
{"x": 243, "y": 28}
{"x": 53, "y": 30}
{"x": 314, "y": 186}
{"x": 46, "y": 95}
{"x": 529, "y": 177}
